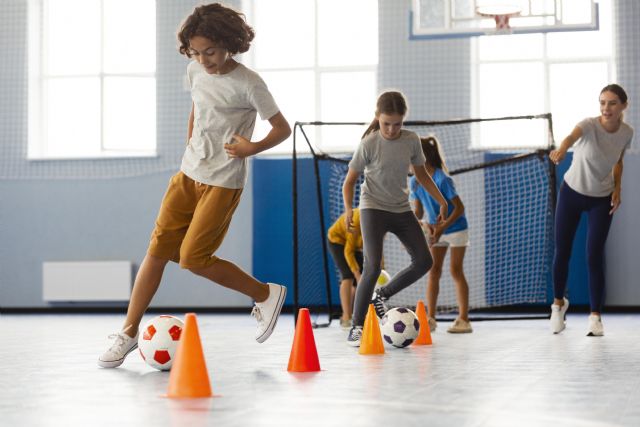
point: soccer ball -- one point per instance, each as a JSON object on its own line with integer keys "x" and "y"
{"x": 399, "y": 327}
{"x": 158, "y": 341}
{"x": 383, "y": 279}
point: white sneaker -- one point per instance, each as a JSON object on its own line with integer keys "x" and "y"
{"x": 355, "y": 335}
{"x": 268, "y": 311}
{"x": 122, "y": 346}
{"x": 433, "y": 324}
{"x": 345, "y": 323}
{"x": 460, "y": 326}
{"x": 595, "y": 326}
{"x": 558, "y": 317}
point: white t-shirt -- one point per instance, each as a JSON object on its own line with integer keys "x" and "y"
{"x": 594, "y": 155}
{"x": 386, "y": 166}
{"x": 225, "y": 104}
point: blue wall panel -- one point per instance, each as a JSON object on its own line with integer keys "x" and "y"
{"x": 272, "y": 225}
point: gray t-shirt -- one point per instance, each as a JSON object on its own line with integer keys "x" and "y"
{"x": 594, "y": 155}
{"x": 225, "y": 104}
{"x": 386, "y": 164}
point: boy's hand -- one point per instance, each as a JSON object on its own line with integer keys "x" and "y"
{"x": 240, "y": 148}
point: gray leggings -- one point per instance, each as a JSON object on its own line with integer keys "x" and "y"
{"x": 375, "y": 224}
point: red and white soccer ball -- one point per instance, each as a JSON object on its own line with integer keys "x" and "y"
{"x": 158, "y": 341}
{"x": 399, "y": 327}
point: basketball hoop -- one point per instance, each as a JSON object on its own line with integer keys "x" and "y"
{"x": 501, "y": 15}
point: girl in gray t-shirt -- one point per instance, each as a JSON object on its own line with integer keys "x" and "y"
{"x": 591, "y": 185}
{"x": 385, "y": 155}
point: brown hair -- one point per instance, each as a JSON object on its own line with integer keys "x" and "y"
{"x": 220, "y": 24}
{"x": 388, "y": 103}
{"x": 617, "y": 89}
{"x": 433, "y": 153}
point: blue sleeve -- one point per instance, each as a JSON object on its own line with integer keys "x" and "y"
{"x": 448, "y": 188}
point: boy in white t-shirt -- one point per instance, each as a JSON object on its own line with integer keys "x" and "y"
{"x": 199, "y": 203}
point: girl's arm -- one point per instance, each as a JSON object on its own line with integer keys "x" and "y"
{"x": 348, "y": 187}
{"x": 557, "y": 155}
{"x": 425, "y": 180}
{"x": 617, "y": 178}
{"x": 418, "y": 210}
{"x": 458, "y": 210}
{"x": 242, "y": 147}
{"x": 190, "y": 123}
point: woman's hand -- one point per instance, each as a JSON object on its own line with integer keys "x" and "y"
{"x": 615, "y": 201}
{"x": 557, "y": 156}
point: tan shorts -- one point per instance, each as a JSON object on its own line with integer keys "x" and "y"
{"x": 192, "y": 222}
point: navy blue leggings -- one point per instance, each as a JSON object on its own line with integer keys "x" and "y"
{"x": 571, "y": 205}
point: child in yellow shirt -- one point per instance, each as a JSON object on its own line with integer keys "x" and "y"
{"x": 346, "y": 250}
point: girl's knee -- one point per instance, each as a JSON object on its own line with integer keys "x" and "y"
{"x": 424, "y": 265}
{"x": 457, "y": 273}
{"x": 435, "y": 272}
{"x": 595, "y": 260}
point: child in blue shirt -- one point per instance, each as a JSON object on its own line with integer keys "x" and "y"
{"x": 453, "y": 232}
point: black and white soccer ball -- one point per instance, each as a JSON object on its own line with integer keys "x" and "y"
{"x": 399, "y": 327}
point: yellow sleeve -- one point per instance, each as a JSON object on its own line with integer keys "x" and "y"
{"x": 350, "y": 253}
{"x": 338, "y": 231}
{"x": 353, "y": 243}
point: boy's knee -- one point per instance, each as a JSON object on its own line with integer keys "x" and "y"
{"x": 197, "y": 265}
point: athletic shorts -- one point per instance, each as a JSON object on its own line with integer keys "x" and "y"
{"x": 192, "y": 222}
{"x": 337, "y": 253}
{"x": 456, "y": 239}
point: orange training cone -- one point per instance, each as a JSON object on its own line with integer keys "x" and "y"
{"x": 424, "y": 336}
{"x": 189, "y": 376}
{"x": 371, "y": 342}
{"x": 304, "y": 355}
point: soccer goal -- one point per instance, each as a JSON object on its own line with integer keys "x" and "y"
{"x": 504, "y": 176}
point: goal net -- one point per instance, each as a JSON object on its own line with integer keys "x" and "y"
{"x": 504, "y": 177}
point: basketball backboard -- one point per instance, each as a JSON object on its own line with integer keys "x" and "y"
{"x": 437, "y": 19}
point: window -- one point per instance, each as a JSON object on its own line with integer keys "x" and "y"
{"x": 92, "y": 85}
{"x": 561, "y": 73}
{"x": 321, "y": 65}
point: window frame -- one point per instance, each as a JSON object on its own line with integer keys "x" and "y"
{"x": 38, "y": 145}
{"x": 547, "y": 63}
{"x": 318, "y": 71}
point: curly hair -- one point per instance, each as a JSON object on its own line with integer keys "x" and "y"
{"x": 220, "y": 24}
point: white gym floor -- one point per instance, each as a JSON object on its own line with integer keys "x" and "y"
{"x": 507, "y": 373}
